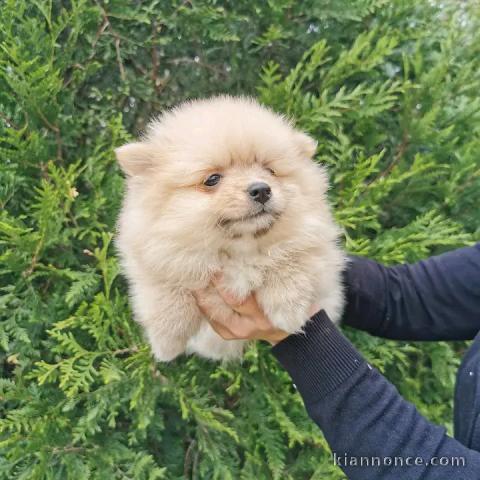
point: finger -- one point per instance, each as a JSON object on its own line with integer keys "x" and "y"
{"x": 246, "y": 321}
{"x": 248, "y": 306}
{"x": 202, "y": 296}
{"x": 201, "y": 299}
{"x": 214, "y": 308}
{"x": 227, "y": 296}
{"x": 222, "y": 330}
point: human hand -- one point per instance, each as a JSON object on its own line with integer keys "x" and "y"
{"x": 240, "y": 320}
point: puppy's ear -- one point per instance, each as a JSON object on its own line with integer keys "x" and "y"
{"x": 134, "y": 158}
{"x": 306, "y": 144}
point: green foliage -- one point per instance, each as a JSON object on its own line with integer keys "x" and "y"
{"x": 389, "y": 90}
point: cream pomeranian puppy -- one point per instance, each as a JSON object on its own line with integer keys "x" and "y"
{"x": 225, "y": 185}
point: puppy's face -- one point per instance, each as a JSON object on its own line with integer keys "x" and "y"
{"x": 224, "y": 167}
{"x": 239, "y": 197}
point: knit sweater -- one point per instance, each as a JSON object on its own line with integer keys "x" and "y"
{"x": 372, "y": 431}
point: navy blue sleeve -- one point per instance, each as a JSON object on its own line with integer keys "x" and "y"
{"x": 435, "y": 299}
{"x": 373, "y": 432}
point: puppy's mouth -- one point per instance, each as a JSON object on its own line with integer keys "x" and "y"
{"x": 263, "y": 213}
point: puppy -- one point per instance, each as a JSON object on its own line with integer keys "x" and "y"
{"x": 225, "y": 185}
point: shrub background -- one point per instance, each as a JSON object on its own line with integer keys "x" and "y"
{"x": 390, "y": 91}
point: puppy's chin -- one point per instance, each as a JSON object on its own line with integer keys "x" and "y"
{"x": 256, "y": 224}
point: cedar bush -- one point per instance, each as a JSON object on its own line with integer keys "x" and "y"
{"x": 389, "y": 90}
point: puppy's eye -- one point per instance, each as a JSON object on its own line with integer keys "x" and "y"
{"x": 271, "y": 170}
{"x": 212, "y": 180}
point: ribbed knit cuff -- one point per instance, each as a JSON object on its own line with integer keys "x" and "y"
{"x": 318, "y": 360}
{"x": 366, "y": 291}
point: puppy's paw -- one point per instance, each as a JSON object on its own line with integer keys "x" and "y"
{"x": 239, "y": 285}
{"x": 215, "y": 304}
{"x": 210, "y": 345}
{"x": 166, "y": 351}
{"x": 288, "y": 320}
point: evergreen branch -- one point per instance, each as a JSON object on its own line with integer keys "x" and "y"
{"x": 117, "y": 41}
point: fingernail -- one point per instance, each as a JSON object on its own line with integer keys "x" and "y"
{"x": 217, "y": 278}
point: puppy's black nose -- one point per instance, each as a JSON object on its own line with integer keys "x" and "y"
{"x": 260, "y": 192}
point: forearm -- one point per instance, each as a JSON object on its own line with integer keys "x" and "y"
{"x": 361, "y": 413}
{"x": 435, "y": 299}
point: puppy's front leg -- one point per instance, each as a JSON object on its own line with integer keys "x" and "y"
{"x": 170, "y": 316}
{"x": 286, "y": 297}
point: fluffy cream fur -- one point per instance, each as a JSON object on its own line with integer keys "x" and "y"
{"x": 174, "y": 232}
